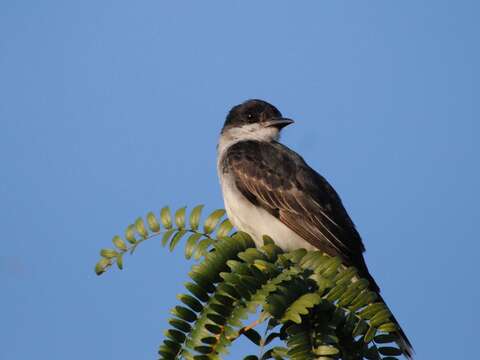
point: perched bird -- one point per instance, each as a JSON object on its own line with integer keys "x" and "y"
{"x": 269, "y": 189}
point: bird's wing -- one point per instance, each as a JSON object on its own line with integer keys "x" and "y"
{"x": 274, "y": 177}
{"x": 277, "y": 179}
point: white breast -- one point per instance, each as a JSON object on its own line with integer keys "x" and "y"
{"x": 256, "y": 221}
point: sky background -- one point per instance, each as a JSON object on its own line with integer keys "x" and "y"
{"x": 112, "y": 108}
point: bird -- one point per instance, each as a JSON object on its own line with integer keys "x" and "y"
{"x": 269, "y": 189}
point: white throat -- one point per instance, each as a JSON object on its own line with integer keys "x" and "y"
{"x": 244, "y": 133}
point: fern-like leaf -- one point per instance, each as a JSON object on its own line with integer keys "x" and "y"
{"x": 318, "y": 307}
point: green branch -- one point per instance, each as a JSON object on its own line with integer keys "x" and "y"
{"x": 316, "y": 306}
{"x": 173, "y": 229}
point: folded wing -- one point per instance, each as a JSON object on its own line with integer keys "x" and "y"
{"x": 277, "y": 179}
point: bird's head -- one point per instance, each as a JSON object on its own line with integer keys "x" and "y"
{"x": 256, "y": 120}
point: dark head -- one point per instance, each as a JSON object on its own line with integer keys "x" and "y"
{"x": 255, "y": 112}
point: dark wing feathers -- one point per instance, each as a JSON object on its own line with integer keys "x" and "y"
{"x": 276, "y": 178}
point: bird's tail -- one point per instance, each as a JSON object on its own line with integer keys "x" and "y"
{"x": 403, "y": 342}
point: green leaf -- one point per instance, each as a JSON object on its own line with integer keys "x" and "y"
{"x": 245, "y": 239}
{"x": 214, "y": 329}
{"x": 336, "y": 292}
{"x": 252, "y": 254}
{"x": 217, "y": 319}
{"x": 191, "y": 302}
{"x": 195, "y": 217}
{"x": 198, "y": 291}
{"x": 108, "y": 253}
{"x": 326, "y": 350}
{"x": 152, "y": 222}
{"x": 267, "y": 240}
{"x": 385, "y": 338}
{"x": 203, "y": 350}
{"x": 272, "y": 336}
{"x": 370, "y": 334}
{"x": 388, "y": 327}
{"x": 330, "y": 267}
{"x": 276, "y": 353}
{"x": 353, "y": 291}
{"x": 209, "y": 340}
{"x": 360, "y": 329}
{"x": 180, "y": 325}
{"x": 212, "y": 221}
{"x": 295, "y": 256}
{"x": 184, "y": 313}
{"x": 178, "y": 236}
{"x": 229, "y": 291}
{"x": 101, "y": 266}
{"x": 190, "y": 244}
{"x": 221, "y": 309}
{"x": 166, "y": 217}
{"x": 175, "y": 335}
{"x": 169, "y": 349}
{"x": 371, "y": 310}
{"x": 300, "y": 307}
{"x": 264, "y": 266}
{"x": 202, "y": 248}
{"x": 140, "y": 227}
{"x": 180, "y": 217}
{"x": 371, "y": 353}
{"x": 167, "y": 235}
{"x": 380, "y": 317}
{"x": 120, "y": 261}
{"x": 253, "y": 336}
{"x": 346, "y": 276}
{"x": 390, "y": 351}
{"x": 224, "y": 228}
{"x": 198, "y": 357}
{"x": 201, "y": 279}
{"x": 130, "y": 234}
{"x": 365, "y": 297}
{"x": 119, "y": 243}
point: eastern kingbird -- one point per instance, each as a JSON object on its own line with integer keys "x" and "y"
{"x": 269, "y": 189}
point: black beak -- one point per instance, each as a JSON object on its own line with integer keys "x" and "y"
{"x": 279, "y": 122}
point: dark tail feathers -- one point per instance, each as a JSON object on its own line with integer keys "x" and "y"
{"x": 403, "y": 342}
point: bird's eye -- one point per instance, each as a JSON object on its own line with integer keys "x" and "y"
{"x": 249, "y": 116}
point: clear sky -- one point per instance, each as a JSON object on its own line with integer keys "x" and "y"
{"x": 112, "y": 108}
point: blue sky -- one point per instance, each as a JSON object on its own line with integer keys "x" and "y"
{"x": 110, "y": 109}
